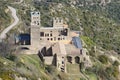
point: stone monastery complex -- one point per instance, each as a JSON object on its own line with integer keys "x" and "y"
{"x": 56, "y": 45}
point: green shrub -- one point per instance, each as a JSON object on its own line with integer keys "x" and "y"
{"x": 103, "y": 59}
{"x": 109, "y": 70}
{"x": 88, "y": 41}
{"x": 51, "y": 69}
{"x": 11, "y": 57}
{"x": 6, "y": 75}
{"x": 116, "y": 63}
{"x": 115, "y": 72}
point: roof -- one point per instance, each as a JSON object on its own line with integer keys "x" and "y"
{"x": 72, "y": 50}
{"x": 24, "y": 37}
{"x": 51, "y": 27}
{"x": 77, "y": 42}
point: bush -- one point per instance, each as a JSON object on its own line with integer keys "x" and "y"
{"x": 51, "y": 69}
{"x": 115, "y": 72}
{"x": 11, "y": 57}
{"x": 7, "y": 75}
{"x": 109, "y": 70}
{"x": 116, "y": 63}
{"x": 88, "y": 41}
{"x": 103, "y": 59}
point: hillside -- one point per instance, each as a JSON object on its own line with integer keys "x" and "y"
{"x": 98, "y": 22}
{"x": 4, "y": 16}
{"x": 24, "y": 66}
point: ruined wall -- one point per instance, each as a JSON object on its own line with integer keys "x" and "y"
{"x": 55, "y": 35}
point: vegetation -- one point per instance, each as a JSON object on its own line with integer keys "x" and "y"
{"x": 103, "y": 59}
{"x": 23, "y": 66}
{"x": 88, "y": 41}
{"x": 4, "y": 16}
{"x": 5, "y": 49}
{"x": 112, "y": 71}
{"x": 116, "y": 63}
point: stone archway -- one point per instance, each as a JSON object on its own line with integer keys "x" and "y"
{"x": 69, "y": 59}
{"x": 77, "y": 59}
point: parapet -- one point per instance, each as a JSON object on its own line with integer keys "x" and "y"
{"x": 35, "y": 18}
{"x": 58, "y": 22}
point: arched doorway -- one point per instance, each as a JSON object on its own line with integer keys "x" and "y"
{"x": 69, "y": 59}
{"x": 77, "y": 59}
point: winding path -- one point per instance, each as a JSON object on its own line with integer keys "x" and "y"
{"x": 6, "y": 30}
{"x": 104, "y": 2}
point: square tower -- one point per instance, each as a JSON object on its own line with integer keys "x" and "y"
{"x": 58, "y": 22}
{"x": 35, "y": 30}
{"x": 35, "y": 18}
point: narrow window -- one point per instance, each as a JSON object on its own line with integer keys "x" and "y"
{"x": 51, "y": 34}
{"x": 51, "y": 39}
{"x": 42, "y": 34}
{"x": 47, "y": 38}
{"x": 58, "y": 38}
{"x": 47, "y": 34}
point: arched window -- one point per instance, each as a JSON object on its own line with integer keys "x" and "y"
{"x": 69, "y": 59}
{"x": 77, "y": 59}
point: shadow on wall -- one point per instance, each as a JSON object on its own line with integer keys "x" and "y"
{"x": 46, "y": 52}
{"x": 54, "y": 62}
{"x": 69, "y": 59}
{"x": 40, "y": 56}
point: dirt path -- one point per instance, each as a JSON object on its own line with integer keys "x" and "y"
{"x": 6, "y": 30}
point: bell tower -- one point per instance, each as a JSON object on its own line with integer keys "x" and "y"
{"x": 35, "y": 18}
{"x": 35, "y": 30}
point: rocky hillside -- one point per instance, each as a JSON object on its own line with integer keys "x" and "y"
{"x": 97, "y": 19}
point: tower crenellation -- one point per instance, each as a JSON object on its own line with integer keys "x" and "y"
{"x": 35, "y": 18}
{"x": 57, "y": 22}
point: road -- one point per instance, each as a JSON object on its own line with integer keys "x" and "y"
{"x": 6, "y": 30}
{"x": 104, "y": 2}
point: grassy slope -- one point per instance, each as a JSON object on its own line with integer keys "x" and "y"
{"x": 28, "y": 66}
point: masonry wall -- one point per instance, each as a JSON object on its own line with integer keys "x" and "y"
{"x": 35, "y": 38}
{"x": 54, "y": 35}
